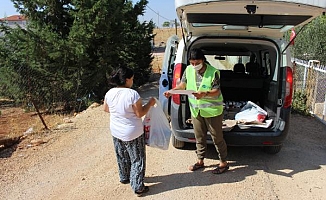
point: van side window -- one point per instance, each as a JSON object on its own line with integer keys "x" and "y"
{"x": 267, "y": 64}
{"x": 171, "y": 68}
{"x": 171, "y": 61}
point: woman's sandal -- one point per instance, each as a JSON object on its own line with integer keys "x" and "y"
{"x": 141, "y": 192}
{"x": 196, "y": 166}
{"x": 125, "y": 181}
{"x": 220, "y": 170}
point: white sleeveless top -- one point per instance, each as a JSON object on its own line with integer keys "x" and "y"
{"x": 124, "y": 124}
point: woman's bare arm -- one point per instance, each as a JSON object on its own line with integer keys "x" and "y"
{"x": 106, "y": 107}
{"x": 141, "y": 110}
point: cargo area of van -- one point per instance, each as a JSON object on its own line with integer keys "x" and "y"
{"x": 248, "y": 72}
{"x": 253, "y": 71}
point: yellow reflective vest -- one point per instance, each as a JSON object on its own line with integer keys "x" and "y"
{"x": 207, "y": 106}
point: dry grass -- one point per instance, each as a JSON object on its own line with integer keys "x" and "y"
{"x": 162, "y": 34}
{"x": 157, "y": 64}
{"x": 15, "y": 121}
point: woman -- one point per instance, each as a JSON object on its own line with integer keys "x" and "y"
{"x": 125, "y": 107}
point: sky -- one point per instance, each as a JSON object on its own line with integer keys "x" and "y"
{"x": 158, "y": 11}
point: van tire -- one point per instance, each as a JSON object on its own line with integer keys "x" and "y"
{"x": 272, "y": 149}
{"x": 177, "y": 143}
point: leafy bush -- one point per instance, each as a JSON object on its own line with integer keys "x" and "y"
{"x": 299, "y": 103}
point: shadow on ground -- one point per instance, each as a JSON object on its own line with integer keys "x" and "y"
{"x": 304, "y": 150}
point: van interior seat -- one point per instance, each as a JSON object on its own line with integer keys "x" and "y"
{"x": 239, "y": 68}
{"x": 241, "y": 87}
{"x": 252, "y": 68}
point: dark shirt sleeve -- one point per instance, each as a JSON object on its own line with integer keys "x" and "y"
{"x": 216, "y": 82}
{"x": 184, "y": 77}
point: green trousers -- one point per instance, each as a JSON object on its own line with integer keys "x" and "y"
{"x": 214, "y": 125}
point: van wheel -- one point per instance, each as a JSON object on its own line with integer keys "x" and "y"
{"x": 272, "y": 149}
{"x": 177, "y": 143}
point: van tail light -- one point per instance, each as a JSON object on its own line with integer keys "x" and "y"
{"x": 176, "y": 80}
{"x": 288, "y": 88}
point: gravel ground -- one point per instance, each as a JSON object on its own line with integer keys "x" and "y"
{"x": 77, "y": 161}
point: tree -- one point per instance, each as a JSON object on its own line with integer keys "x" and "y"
{"x": 70, "y": 46}
{"x": 166, "y": 24}
{"x": 171, "y": 24}
{"x": 137, "y": 42}
{"x": 310, "y": 44}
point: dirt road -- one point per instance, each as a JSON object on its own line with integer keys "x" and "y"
{"x": 78, "y": 162}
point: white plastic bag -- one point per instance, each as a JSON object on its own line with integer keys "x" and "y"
{"x": 251, "y": 113}
{"x": 157, "y": 128}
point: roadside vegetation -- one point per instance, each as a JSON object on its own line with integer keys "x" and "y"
{"x": 309, "y": 44}
{"x": 63, "y": 57}
{"x": 299, "y": 103}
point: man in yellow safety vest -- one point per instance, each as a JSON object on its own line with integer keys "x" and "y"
{"x": 206, "y": 106}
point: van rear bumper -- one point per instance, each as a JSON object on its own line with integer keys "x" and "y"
{"x": 238, "y": 138}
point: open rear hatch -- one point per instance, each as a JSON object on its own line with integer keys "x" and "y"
{"x": 249, "y": 18}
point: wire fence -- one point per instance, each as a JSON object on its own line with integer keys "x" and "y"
{"x": 32, "y": 102}
{"x": 310, "y": 79}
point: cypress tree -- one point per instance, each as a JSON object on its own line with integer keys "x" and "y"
{"x": 70, "y": 46}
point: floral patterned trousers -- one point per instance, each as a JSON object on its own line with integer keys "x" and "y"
{"x": 131, "y": 158}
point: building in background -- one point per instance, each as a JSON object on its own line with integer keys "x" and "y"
{"x": 14, "y": 20}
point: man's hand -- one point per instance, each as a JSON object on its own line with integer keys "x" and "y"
{"x": 180, "y": 86}
{"x": 199, "y": 94}
{"x": 167, "y": 94}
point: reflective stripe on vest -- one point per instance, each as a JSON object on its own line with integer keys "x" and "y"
{"x": 204, "y": 105}
{"x": 210, "y": 106}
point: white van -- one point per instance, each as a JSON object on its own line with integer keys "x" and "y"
{"x": 244, "y": 40}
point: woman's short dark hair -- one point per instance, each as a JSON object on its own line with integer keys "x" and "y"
{"x": 118, "y": 77}
{"x": 196, "y": 54}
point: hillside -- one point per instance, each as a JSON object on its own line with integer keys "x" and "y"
{"x": 162, "y": 34}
